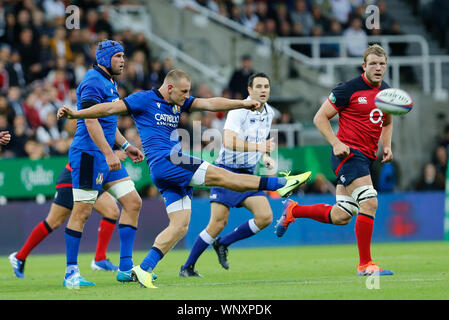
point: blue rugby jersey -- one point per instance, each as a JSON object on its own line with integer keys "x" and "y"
{"x": 96, "y": 87}
{"x": 157, "y": 122}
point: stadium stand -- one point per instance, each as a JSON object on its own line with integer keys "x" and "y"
{"x": 41, "y": 61}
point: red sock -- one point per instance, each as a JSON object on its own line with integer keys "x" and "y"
{"x": 40, "y": 231}
{"x": 319, "y": 212}
{"x": 105, "y": 231}
{"x": 364, "y": 231}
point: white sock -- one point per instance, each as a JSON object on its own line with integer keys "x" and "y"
{"x": 206, "y": 237}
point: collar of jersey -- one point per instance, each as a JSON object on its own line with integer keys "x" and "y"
{"x": 368, "y": 83}
{"x": 104, "y": 74}
{"x": 158, "y": 93}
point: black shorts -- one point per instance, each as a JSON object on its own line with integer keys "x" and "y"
{"x": 353, "y": 166}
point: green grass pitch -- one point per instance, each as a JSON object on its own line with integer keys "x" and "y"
{"x": 281, "y": 273}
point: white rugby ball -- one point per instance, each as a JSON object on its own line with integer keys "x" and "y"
{"x": 394, "y": 101}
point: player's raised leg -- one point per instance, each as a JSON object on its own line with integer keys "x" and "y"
{"x": 219, "y": 177}
{"x": 217, "y": 222}
{"x": 338, "y": 214}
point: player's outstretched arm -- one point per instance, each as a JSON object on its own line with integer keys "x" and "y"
{"x": 96, "y": 111}
{"x": 223, "y": 104}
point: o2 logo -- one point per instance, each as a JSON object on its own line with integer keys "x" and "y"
{"x": 375, "y": 116}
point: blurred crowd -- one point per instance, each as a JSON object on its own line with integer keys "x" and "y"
{"x": 42, "y": 62}
{"x": 433, "y": 173}
{"x": 311, "y": 18}
{"x": 435, "y": 15}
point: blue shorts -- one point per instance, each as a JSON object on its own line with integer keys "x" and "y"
{"x": 91, "y": 171}
{"x": 229, "y": 198}
{"x": 172, "y": 176}
{"x": 64, "y": 193}
{"x": 353, "y": 166}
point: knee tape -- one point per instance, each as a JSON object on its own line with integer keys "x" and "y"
{"x": 199, "y": 177}
{"x": 181, "y": 204}
{"x": 348, "y": 205}
{"x": 121, "y": 188}
{"x": 85, "y": 195}
{"x": 364, "y": 193}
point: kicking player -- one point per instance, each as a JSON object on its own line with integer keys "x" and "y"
{"x": 244, "y": 142}
{"x": 59, "y": 212}
{"x": 156, "y": 113}
{"x": 96, "y": 167}
{"x": 361, "y": 126}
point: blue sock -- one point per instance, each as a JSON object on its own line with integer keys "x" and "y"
{"x": 203, "y": 240}
{"x": 151, "y": 260}
{"x": 127, "y": 233}
{"x": 271, "y": 183}
{"x": 72, "y": 245}
{"x": 245, "y": 230}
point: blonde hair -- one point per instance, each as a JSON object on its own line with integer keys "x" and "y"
{"x": 375, "y": 49}
{"x": 173, "y": 76}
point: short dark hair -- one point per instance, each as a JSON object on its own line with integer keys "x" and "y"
{"x": 175, "y": 75}
{"x": 257, "y": 75}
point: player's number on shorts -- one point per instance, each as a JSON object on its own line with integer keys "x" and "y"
{"x": 376, "y": 118}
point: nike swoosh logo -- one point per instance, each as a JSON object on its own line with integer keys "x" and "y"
{"x": 295, "y": 182}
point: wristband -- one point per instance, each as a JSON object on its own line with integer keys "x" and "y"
{"x": 125, "y": 145}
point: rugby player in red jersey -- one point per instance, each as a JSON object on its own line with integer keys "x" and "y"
{"x": 361, "y": 126}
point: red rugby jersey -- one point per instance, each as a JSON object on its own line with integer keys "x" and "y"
{"x": 360, "y": 121}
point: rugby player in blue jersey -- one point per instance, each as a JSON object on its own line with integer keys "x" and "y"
{"x": 156, "y": 113}
{"x": 96, "y": 167}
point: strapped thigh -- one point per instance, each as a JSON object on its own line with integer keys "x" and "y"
{"x": 182, "y": 204}
{"x": 199, "y": 177}
{"x": 85, "y": 195}
{"x": 121, "y": 188}
{"x": 364, "y": 193}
